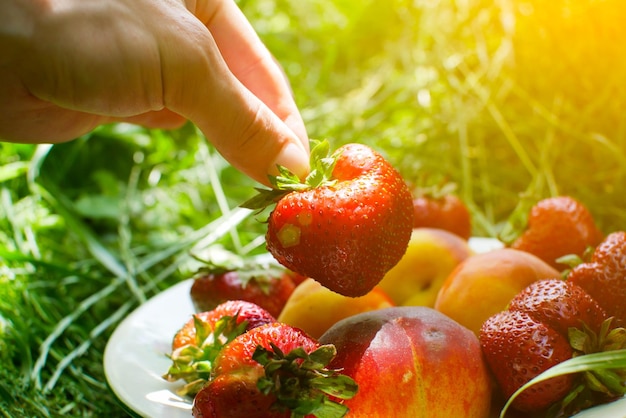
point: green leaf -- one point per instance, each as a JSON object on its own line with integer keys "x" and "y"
{"x": 286, "y": 180}
{"x": 302, "y": 386}
{"x": 517, "y": 222}
{"x": 339, "y": 386}
{"x": 612, "y": 381}
{"x": 320, "y": 174}
{"x": 322, "y": 355}
{"x": 570, "y": 260}
{"x": 585, "y": 363}
{"x": 193, "y": 363}
{"x": 263, "y": 198}
{"x": 322, "y": 164}
{"x": 578, "y": 339}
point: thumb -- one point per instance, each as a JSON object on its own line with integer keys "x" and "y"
{"x": 199, "y": 85}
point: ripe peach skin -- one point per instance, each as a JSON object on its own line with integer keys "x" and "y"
{"x": 430, "y": 257}
{"x": 314, "y": 308}
{"x": 411, "y": 361}
{"x": 484, "y": 284}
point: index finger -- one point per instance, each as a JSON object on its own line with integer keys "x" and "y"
{"x": 250, "y": 61}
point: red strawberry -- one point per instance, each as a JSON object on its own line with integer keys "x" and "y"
{"x": 557, "y": 227}
{"x": 518, "y": 348}
{"x": 446, "y": 212}
{"x": 604, "y": 277}
{"x": 548, "y": 322}
{"x": 197, "y": 343}
{"x": 249, "y": 312}
{"x": 347, "y": 226}
{"x": 560, "y": 305}
{"x": 270, "y": 372}
{"x": 262, "y": 284}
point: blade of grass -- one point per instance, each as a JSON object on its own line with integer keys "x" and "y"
{"x": 199, "y": 239}
{"x": 209, "y": 162}
{"x": 13, "y": 170}
{"x": 565, "y": 126}
{"x": 7, "y": 205}
{"x": 597, "y": 361}
{"x": 84, "y": 346}
{"x": 65, "y": 323}
{"x": 125, "y": 234}
{"x": 63, "y": 206}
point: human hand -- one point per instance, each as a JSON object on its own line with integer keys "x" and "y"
{"x": 67, "y": 66}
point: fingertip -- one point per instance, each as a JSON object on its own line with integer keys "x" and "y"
{"x": 295, "y": 123}
{"x": 294, "y": 157}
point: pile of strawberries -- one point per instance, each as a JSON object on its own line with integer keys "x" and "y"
{"x": 554, "y": 320}
{"x": 238, "y": 361}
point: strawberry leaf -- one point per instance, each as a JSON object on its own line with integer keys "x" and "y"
{"x": 579, "y": 340}
{"x": 517, "y": 222}
{"x": 570, "y": 260}
{"x": 263, "y": 199}
{"x": 194, "y": 363}
{"x": 321, "y": 164}
{"x": 612, "y": 381}
{"x": 301, "y": 381}
{"x": 339, "y": 386}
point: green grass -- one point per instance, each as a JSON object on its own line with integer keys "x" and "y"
{"x": 507, "y": 99}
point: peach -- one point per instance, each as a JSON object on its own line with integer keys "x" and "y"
{"x": 484, "y": 284}
{"x": 411, "y": 361}
{"x": 430, "y": 257}
{"x": 314, "y": 308}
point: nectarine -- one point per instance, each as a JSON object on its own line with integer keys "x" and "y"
{"x": 484, "y": 284}
{"x": 411, "y": 361}
{"x": 430, "y": 257}
{"x": 314, "y": 308}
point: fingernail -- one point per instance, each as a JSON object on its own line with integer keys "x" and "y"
{"x": 294, "y": 158}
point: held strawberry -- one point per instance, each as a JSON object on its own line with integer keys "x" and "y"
{"x": 557, "y": 227}
{"x": 197, "y": 343}
{"x": 274, "y": 371}
{"x": 347, "y": 225}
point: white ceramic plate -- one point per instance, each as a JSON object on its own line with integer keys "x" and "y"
{"x": 135, "y": 355}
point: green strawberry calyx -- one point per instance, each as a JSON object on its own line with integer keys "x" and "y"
{"x": 193, "y": 363}
{"x": 248, "y": 269}
{"x": 517, "y": 222}
{"x": 599, "y": 360}
{"x": 595, "y": 385}
{"x": 302, "y": 382}
{"x": 608, "y": 383}
{"x": 322, "y": 162}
